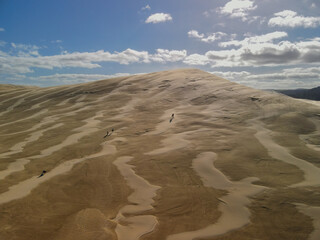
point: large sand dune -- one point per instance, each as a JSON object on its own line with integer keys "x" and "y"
{"x": 231, "y": 163}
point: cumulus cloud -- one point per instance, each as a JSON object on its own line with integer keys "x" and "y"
{"x": 164, "y": 55}
{"x": 2, "y": 29}
{"x": 197, "y": 59}
{"x": 159, "y": 17}
{"x": 195, "y": 34}
{"x": 22, "y": 64}
{"x": 25, "y": 64}
{"x": 232, "y": 75}
{"x": 260, "y": 50}
{"x": 238, "y": 8}
{"x": 75, "y": 78}
{"x": 25, "y": 50}
{"x": 209, "y": 38}
{"x": 288, "y": 18}
{"x": 265, "y": 38}
{"x": 26, "y": 47}
{"x": 284, "y": 79}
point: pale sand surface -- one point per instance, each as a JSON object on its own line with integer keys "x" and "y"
{"x": 316, "y": 103}
{"x": 233, "y": 208}
{"x": 24, "y": 188}
{"x": 30, "y": 117}
{"x": 133, "y": 227}
{"x": 16, "y": 95}
{"x": 88, "y": 128}
{"x": 18, "y": 165}
{"x": 309, "y": 138}
{"x": 38, "y": 105}
{"x": 311, "y": 172}
{"x": 9, "y": 109}
{"x": 51, "y": 119}
{"x": 211, "y": 173}
{"x": 34, "y": 136}
{"x": 172, "y": 143}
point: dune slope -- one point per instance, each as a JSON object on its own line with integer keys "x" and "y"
{"x": 179, "y": 154}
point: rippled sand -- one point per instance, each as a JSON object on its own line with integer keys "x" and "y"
{"x": 234, "y": 163}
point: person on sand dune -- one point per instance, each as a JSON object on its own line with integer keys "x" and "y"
{"x": 43, "y": 172}
{"x": 107, "y": 135}
{"x": 172, "y": 117}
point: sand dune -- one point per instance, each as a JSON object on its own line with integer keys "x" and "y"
{"x": 314, "y": 213}
{"x": 311, "y": 172}
{"x": 233, "y": 206}
{"x": 134, "y": 227}
{"x": 24, "y": 188}
{"x": 23, "y": 119}
{"x": 234, "y": 163}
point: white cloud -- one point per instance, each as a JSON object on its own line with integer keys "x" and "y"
{"x": 2, "y": 43}
{"x": 266, "y": 38}
{"x": 197, "y": 59}
{"x": 147, "y": 7}
{"x": 25, "y": 47}
{"x": 288, "y": 18}
{"x": 2, "y": 29}
{"x": 164, "y": 55}
{"x": 195, "y": 34}
{"x": 232, "y": 75}
{"x": 75, "y": 78}
{"x": 210, "y": 37}
{"x": 261, "y": 51}
{"x": 25, "y": 63}
{"x": 159, "y": 17}
{"x": 284, "y": 79}
{"x": 238, "y": 8}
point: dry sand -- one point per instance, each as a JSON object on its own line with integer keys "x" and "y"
{"x": 141, "y": 200}
{"x": 314, "y": 213}
{"x": 311, "y": 172}
{"x": 233, "y": 208}
{"x": 235, "y": 163}
{"x": 24, "y": 188}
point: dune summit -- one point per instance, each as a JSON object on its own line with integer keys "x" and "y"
{"x": 173, "y": 155}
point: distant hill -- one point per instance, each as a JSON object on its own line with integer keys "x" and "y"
{"x": 312, "y": 94}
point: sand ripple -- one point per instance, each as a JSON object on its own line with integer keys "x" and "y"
{"x": 235, "y": 214}
{"x": 24, "y": 188}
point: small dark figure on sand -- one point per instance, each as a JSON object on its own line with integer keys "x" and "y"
{"x": 108, "y": 134}
{"x": 43, "y": 172}
{"x": 172, "y": 117}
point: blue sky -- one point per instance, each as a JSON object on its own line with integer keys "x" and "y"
{"x": 259, "y": 43}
